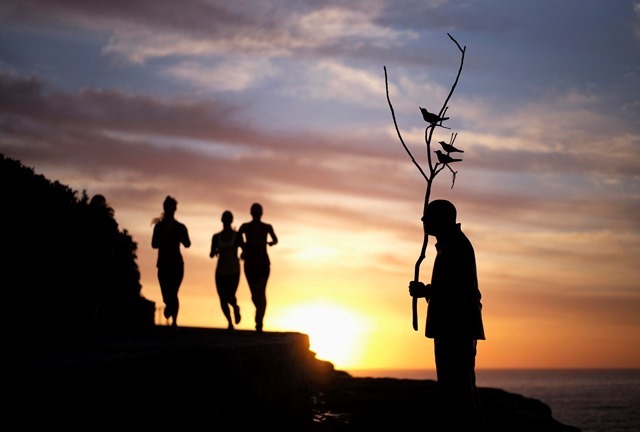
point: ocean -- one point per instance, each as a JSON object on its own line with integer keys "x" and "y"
{"x": 594, "y": 400}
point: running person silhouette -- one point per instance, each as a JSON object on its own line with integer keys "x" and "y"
{"x": 168, "y": 235}
{"x": 225, "y": 245}
{"x": 257, "y": 266}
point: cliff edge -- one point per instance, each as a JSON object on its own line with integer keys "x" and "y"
{"x": 225, "y": 380}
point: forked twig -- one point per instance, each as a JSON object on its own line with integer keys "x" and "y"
{"x": 434, "y": 170}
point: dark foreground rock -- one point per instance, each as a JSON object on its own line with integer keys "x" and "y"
{"x": 379, "y": 403}
{"x": 211, "y": 378}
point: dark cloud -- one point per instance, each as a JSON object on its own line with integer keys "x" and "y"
{"x": 113, "y": 109}
{"x": 68, "y": 129}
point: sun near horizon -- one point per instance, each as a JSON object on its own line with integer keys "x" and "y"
{"x": 336, "y": 333}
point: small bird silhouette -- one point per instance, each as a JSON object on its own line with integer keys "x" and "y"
{"x": 449, "y": 148}
{"x": 445, "y": 159}
{"x": 431, "y": 117}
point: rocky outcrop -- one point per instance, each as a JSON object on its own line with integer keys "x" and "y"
{"x": 225, "y": 380}
{"x": 162, "y": 375}
{"x": 379, "y": 403}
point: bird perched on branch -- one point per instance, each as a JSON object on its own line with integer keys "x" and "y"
{"x": 431, "y": 117}
{"x": 445, "y": 158}
{"x": 449, "y": 148}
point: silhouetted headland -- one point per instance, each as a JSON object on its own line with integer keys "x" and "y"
{"x": 239, "y": 379}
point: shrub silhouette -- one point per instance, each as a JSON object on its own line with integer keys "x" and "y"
{"x": 69, "y": 271}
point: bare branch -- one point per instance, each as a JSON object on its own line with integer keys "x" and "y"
{"x": 393, "y": 114}
{"x": 456, "y": 42}
{"x": 455, "y": 83}
{"x": 454, "y": 175}
{"x": 428, "y": 133}
{"x": 437, "y": 170}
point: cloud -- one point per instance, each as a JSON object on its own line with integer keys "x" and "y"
{"x": 114, "y": 109}
{"x": 138, "y": 133}
{"x": 140, "y": 31}
{"x": 334, "y": 81}
{"x": 226, "y": 103}
{"x": 349, "y": 26}
{"x": 235, "y": 74}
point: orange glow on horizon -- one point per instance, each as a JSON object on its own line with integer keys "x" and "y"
{"x": 336, "y": 333}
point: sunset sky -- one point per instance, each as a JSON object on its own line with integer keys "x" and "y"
{"x": 225, "y": 103}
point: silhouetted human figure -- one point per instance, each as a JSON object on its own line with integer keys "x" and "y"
{"x": 454, "y": 316}
{"x": 168, "y": 235}
{"x": 225, "y": 245}
{"x": 257, "y": 265}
